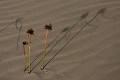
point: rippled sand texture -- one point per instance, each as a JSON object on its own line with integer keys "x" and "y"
{"x": 90, "y": 54}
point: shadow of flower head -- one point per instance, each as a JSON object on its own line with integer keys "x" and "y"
{"x": 102, "y": 11}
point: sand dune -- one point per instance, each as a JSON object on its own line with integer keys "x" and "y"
{"x": 92, "y": 54}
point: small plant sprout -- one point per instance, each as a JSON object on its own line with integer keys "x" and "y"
{"x": 24, "y": 51}
{"x": 47, "y": 28}
{"x": 30, "y": 32}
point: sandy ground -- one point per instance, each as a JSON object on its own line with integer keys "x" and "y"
{"x": 90, "y": 54}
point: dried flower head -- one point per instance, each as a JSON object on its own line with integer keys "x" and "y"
{"x": 30, "y": 31}
{"x": 48, "y": 27}
{"x": 25, "y": 43}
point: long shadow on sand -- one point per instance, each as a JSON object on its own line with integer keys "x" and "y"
{"x": 83, "y": 16}
{"x": 101, "y": 11}
{"x": 19, "y": 28}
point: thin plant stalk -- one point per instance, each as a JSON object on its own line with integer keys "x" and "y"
{"x": 45, "y": 42}
{"x": 29, "y": 59}
{"x": 30, "y": 32}
{"x": 24, "y": 57}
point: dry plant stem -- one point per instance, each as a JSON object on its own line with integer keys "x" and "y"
{"x": 24, "y": 57}
{"x": 29, "y": 59}
{"x": 45, "y": 42}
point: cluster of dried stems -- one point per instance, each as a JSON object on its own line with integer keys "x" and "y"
{"x": 30, "y": 32}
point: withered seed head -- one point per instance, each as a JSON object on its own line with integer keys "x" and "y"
{"x": 48, "y": 27}
{"x": 30, "y": 31}
{"x": 25, "y": 43}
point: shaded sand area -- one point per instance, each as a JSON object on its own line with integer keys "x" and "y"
{"x": 84, "y": 42}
